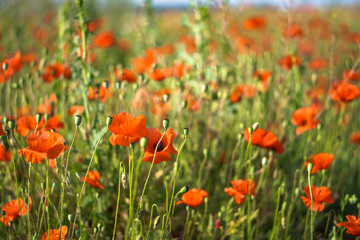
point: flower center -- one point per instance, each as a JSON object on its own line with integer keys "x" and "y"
{"x": 160, "y": 147}
{"x": 303, "y": 122}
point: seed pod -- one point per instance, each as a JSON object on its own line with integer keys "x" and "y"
{"x": 124, "y": 180}
{"x": 156, "y": 222}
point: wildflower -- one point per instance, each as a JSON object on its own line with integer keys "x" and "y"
{"x": 126, "y": 75}
{"x": 292, "y": 31}
{"x": 14, "y": 64}
{"x": 76, "y": 109}
{"x": 14, "y": 209}
{"x": 127, "y": 129}
{"x": 55, "y": 71}
{"x": 264, "y": 139}
{"x": 158, "y": 74}
{"x": 246, "y": 90}
{"x": 318, "y": 64}
{"x": 164, "y": 149}
{"x": 355, "y": 137}
{"x": 48, "y": 105}
{"x": 180, "y": 69}
{"x": 104, "y": 93}
{"x": 43, "y": 144}
{"x": 1, "y": 128}
{"x": 142, "y": 63}
{"x": 320, "y": 161}
{"x": 94, "y": 25}
{"x": 53, "y": 123}
{"x": 104, "y": 40}
{"x": 193, "y": 198}
{"x": 351, "y": 75}
{"x": 54, "y": 234}
{"x": 5, "y": 156}
{"x": 344, "y": 92}
{"x": 93, "y": 179}
{"x": 26, "y": 124}
{"x": 240, "y": 189}
{"x": 305, "y": 119}
{"x": 320, "y": 195}
{"x": 289, "y": 62}
{"x": 254, "y": 23}
{"x": 352, "y": 225}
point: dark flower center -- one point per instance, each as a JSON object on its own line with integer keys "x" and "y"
{"x": 303, "y": 122}
{"x": 160, "y": 147}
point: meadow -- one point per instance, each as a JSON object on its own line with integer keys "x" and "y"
{"x": 211, "y": 122}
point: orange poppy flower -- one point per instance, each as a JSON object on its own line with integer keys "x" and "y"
{"x": 43, "y": 144}
{"x": 165, "y": 146}
{"x": 104, "y": 40}
{"x": 351, "y": 75}
{"x": 5, "y": 156}
{"x": 189, "y": 43}
{"x": 289, "y": 62}
{"x": 254, "y": 23}
{"x": 193, "y": 198}
{"x": 241, "y": 189}
{"x": 306, "y": 48}
{"x": 320, "y": 161}
{"x": 48, "y": 106}
{"x": 160, "y": 107}
{"x": 93, "y": 93}
{"x": 246, "y": 90}
{"x": 76, "y": 109}
{"x": 344, "y": 92}
{"x": 1, "y": 128}
{"x": 305, "y": 119}
{"x": 142, "y": 63}
{"x": 352, "y": 225}
{"x": 320, "y": 195}
{"x": 93, "y": 179}
{"x": 126, "y": 75}
{"x": 158, "y": 74}
{"x": 53, "y": 123}
{"x": 318, "y": 64}
{"x": 14, "y": 65}
{"x": 264, "y": 139}
{"x": 292, "y": 31}
{"x": 14, "y": 209}
{"x": 26, "y": 124}
{"x": 127, "y": 129}
{"x": 180, "y": 69}
{"x": 94, "y": 25}
{"x": 54, "y": 71}
{"x": 54, "y": 234}
{"x": 262, "y": 75}
{"x": 355, "y": 137}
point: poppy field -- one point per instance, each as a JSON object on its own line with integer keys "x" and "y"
{"x": 122, "y": 121}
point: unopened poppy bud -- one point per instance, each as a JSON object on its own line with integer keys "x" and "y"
{"x": 52, "y": 130}
{"x": 71, "y": 218}
{"x": 53, "y": 187}
{"x": 143, "y": 142}
{"x": 3, "y": 213}
{"x": 38, "y": 118}
{"x": 205, "y": 151}
{"x": 353, "y": 199}
{"x": 156, "y": 222}
{"x": 204, "y": 88}
{"x": 5, "y": 66}
{"x": 184, "y": 189}
{"x": 135, "y": 86}
{"x": 309, "y": 167}
{"x": 251, "y": 130}
{"x": 11, "y": 124}
{"x": 106, "y": 84}
{"x": 264, "y": 161}
{"x": 283, "y": 222}
{"x": 42, "y": 185}
{"x": 166, "y": 123}
{"x": 166, "y": 97}
{"x": 124, "y": 180}
{"x": 95, "y": 230}
{"x": 46, "y": 116}
{"x": 240, "y": 136}
{"x": 108, "y": 121}
{"x": 7, "y": 132}
{"x": 255, "y": 126}
{"x": 118, "y": 84}
{"x": 99, "y": 225}
{"x": 132, "y": 145}
{"x": 77, "y": 120}
{"x": 186, "y": 132}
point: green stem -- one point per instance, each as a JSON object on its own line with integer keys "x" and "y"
{"x": 312, "y": 207}
{"x": 118, "y": 200}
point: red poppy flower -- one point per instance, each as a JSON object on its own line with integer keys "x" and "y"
{"x": 305, "y": 119}
{"x": 14, "y": 64}
{"x": 26, "y": 124}
{"x": 344, "y": 92}
{"x": 14, "y": 209}
{"x": 55, "y": 71}
{"x": 180, "y": 69}
{"x": 5, "y": 156}
{"x": 76, "y": 109}
{"x": 262, "y": 75}
{"x": 43, "y": 144}
{"x": 355, "y": 137}
{"x": 104, "y": 40}
{"x": 246, "y": 90}
{"x": 320, "y": 161}
{"x": 127, "y": 129}
{"x": 48, "y": 106}
{"x": 54, "y": 234}
{"x": 93, "y": 93}
{"x": 142, "y": 63}
{"x": 94, "y": 25}
{"x": 254, "y": 23}
{"x": 53, "y": 123}
{"x": 318, "y": 64}
{"x": 289, "y": 62}
{"x": 126, "y": 75}
{"x": 264, "y": 139}
{"x": 351, "y": 75}
{"x": 93, "y": 179}
{"x": 320, "y": 195}
{"x": 193, "y": 198}
{"x": 158, "y": 74}
{"x": 241, "y": 189}
{"x": 352, "y": 225}
{"x": 165, "y": 146}
{"x": 292, "y": 31}
{"x": 189, "y": 43}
